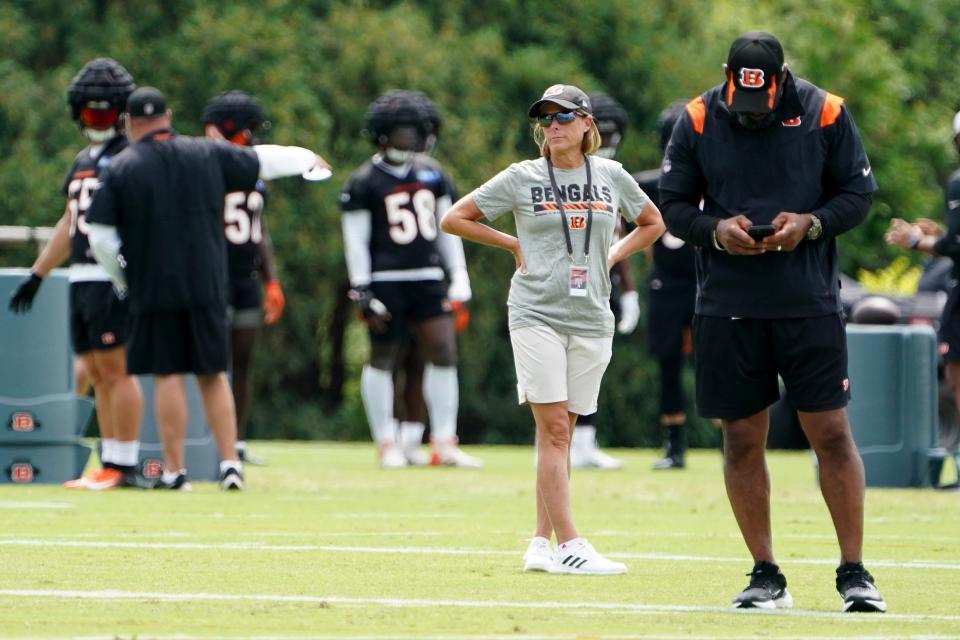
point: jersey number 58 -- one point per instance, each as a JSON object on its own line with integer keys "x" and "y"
{"x": 406, "y": 224}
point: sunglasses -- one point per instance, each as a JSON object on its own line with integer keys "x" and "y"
{"x": 562, "y": 117}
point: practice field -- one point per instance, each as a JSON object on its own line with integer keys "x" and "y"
{"x": 325, "y": 545}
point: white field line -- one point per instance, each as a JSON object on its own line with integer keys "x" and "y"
{"x": 618, "y": 607}
{"x": 255, "y": 546}
{"x": 24, "y": 504}
{"x": 519, "y": 636}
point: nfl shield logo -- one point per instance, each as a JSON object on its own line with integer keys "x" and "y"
{"x": 152, "y": 469}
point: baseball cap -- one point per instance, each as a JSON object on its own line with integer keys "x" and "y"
{"x": 754, "y": 63}
{"x": 146, "y": 102}
{"x": 562, "y": 95}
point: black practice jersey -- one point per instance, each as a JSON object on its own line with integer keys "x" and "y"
{"x": 165, "y": 196}
{"x": 949, "y": 243}
{"x": 243, "y": 228}
{"x": 81, "y": 182}
{"x": 403, "y": 213}
{"x": 674, "y": 265}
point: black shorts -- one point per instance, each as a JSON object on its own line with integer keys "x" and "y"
{"x": 737, "y": 363}
{"x": 669, "y": 313}
{"x": 98, "y": 319}
{"x": 409, "y": 303}
{"x": 244, "y": 300}
{"x": 184, "y": 341}
{"x": 950, "y": 327}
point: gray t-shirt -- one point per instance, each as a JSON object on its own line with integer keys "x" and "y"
{"x": 542, "y": 295}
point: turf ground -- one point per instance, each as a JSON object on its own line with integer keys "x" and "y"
{"x": 324, "y": 545}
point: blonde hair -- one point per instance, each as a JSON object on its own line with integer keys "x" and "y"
{"x": 591, "y": 139}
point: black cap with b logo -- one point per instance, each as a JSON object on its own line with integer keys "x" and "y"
{"x": 753, "y": 73}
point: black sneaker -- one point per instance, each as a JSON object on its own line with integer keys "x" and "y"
{"x": 180, "y": 483}
{"x": 231, "y": 480}
{"x": 857, "y": 589}
{"x": 669, "y": 462}
{"x": 767, "y": 589}
{"x": 249, "y": 458}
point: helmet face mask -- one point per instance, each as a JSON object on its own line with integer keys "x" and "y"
{"x": 237, "y": 116}
{"x": 97, "y": 96}
{"x": 399, "y": 125}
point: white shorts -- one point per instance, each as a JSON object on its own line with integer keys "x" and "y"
{"x": 555, "y": 367}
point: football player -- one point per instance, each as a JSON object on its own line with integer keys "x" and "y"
{"x": 98, "y": 315}
{"x": 236, "y": 116}
{"x": 396, "y": 256}
{"x": 611, "y": 119}
{"x": 671, "y": 294}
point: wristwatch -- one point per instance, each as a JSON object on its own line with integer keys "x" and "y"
{"x": 816, "y": 228}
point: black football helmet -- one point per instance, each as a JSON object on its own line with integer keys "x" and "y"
{"x": 237, "y": 114}
{"x": 668, "y": 118}
{"x": 392, "y": 110}
{"x": 97, "y": 96}
{"x": 611, "y": 120}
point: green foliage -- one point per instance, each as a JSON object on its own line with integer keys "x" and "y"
{"x": 317, "y": 64}
{"x": 898, "y": 279}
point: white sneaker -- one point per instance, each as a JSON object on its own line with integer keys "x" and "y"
{"x": 448, "y": 453}
{"x": 411, "y": 435}
{"x": 391, "y": 456}
{"x": 578, "y": 556}
{"x": 600, "y": 460}
{"x": 539, "y": 555}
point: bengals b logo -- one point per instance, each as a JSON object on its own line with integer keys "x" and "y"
{"x": 751, "y": 78}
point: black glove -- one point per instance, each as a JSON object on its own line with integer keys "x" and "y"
{"x": 374, "y": 312}
{"x": 22, "y": 297}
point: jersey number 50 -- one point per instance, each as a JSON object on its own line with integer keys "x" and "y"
{"x": 406, "y": 224}
{"x": 241, "y": 217}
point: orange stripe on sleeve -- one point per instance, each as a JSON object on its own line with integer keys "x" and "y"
{"x": 831, "y": 110}
{"x": 698, "y": 113}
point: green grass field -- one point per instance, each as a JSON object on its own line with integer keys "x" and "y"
{"x": 325, "y": 545}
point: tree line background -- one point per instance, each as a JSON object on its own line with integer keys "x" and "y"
{"x": 317, "y": 64}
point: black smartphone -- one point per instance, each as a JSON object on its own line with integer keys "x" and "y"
{"x": 759, "y": 231}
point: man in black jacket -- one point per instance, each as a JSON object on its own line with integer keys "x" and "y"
{"x": 762, "y": 173}
{"x": 161, "y": 202}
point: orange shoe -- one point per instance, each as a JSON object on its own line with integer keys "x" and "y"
{"x": 105, "y": 479}
{"x": 79, "y": 483}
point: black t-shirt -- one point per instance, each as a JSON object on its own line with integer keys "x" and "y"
{"x": 81, "y": 182}
{"x": 165, "y": 195}
{"x": 403, "y": 213}
{"x": 949, "y": 243}
{"x": 673, "y": 269}
{"x": 812, "y": 155}
{"x": 243, "y": 228}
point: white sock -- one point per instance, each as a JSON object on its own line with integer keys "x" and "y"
{"x": 442, "y": 394}
{"x": 411, "y": 434}
{"x": 376, "y": 388}
{"x": 126, "y": 453}
{"x": 584, "y": 437}
{"x": 107, "y": 450}
{"x": 169, "y": 476}
{"x": 231, "y": 464}
{"x": 241, "y": 445}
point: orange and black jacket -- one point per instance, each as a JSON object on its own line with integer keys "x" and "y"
{"x": 811, "y": 161}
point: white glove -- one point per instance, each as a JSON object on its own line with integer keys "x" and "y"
{"x": 629, "y": 311}
{"x": 459, "y": 290}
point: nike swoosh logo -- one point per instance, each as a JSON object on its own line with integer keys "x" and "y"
{"x": 953, "y": 204}
{"x": 866, "y": 171}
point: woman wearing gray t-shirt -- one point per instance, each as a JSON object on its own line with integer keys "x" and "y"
{"x": 565, "y": 204}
